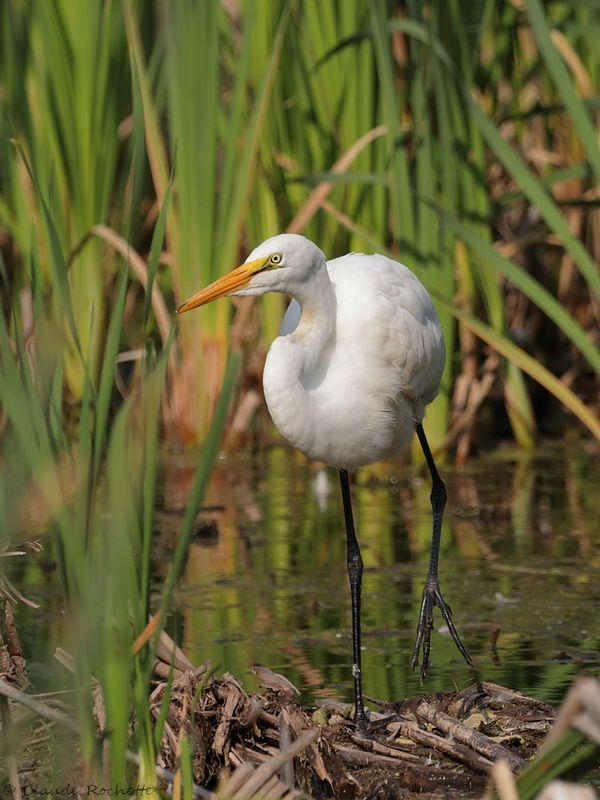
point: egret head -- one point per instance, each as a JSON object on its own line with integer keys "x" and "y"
{"x": 280, "y": 264}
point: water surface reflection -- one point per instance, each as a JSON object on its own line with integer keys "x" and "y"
{"x": 265, "y": 576}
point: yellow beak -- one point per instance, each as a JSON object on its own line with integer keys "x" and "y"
{"x": 236, "y": 279}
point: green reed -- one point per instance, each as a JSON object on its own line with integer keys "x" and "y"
{"x": 62, "y": 96}
{"x": 96, "y": 478}
{"x": 239, "y": 117}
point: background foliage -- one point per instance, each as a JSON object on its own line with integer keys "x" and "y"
{"x": 146, "y": 147}
{"x": 458, "y": 137}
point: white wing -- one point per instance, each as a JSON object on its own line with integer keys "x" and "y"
{"x": 383, "y": 367}
{"x": 386, "y": 320}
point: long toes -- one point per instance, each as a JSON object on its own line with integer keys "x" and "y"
{"x": 432, "y": 597}
{"x": 423, "y": 638}
{"x": 447, "y": 615}
{"x": 417, "y": 648}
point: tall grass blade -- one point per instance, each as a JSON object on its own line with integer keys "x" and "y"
{"x": 185, "y": 767}
{"x": 109, "y": 361}
{"x": 157, "y": 154}
{"x": 532, "y": 289}
{"x": 203, "y": 472}
{"x": 242, "y": 170}
{"x": 538, "y": 197}
{"x": 154, "y": 386}
{"x": 138, "y": 160}
{"x": 158, "y": 238}
{"x": 400, "y": 197}
{"x": 567, "y": 91}
{"x": 530, "y": 365}
{"x": 56, "y": 262}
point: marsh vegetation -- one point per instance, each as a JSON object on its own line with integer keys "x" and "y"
{"x": 144, "y": 149}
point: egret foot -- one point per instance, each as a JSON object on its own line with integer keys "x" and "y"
{"x": 373, "y": 727}
{"x": 432, "y": 597}
{"x": 361, "y": 721}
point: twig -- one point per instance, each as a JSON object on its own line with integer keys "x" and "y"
{"x": 474, "y": 739}
{"x": 273, "y": 765}
{"x": 411, "y": 775}
{"x": 61, "y": 719}
{"x": 449, "y": 747}
{"x": 237, "y": 780}
{"x": 38, "y": 708}
{"x": 11, "y": 760}
{"x": 285, "y": 739}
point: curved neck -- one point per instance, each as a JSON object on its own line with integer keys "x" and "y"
{"x": 297, "y": 363}
{"x": 317, "y": 321}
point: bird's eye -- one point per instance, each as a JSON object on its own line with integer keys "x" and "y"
{"x": 275, "y": 259}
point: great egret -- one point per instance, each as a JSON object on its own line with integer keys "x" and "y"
{"x": 359, "y": 356}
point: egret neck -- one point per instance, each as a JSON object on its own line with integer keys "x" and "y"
{"x": 297, "y": 363}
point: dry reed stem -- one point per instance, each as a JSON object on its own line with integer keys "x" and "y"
{"x": 574, "y": 63}
{"x": 265, "y": 772}
{"x": 319, "y": 195}
{"x": 458, "y": 732}
{"x": 41, "y": 709}
{"x": 9, "y": 748}
{"x": 502, "y": 781}
{"x": 140, "y": 270}
{"x": 146, "y": 634}
{"x": 580, "y": 710}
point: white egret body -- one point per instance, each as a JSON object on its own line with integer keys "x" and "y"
{"x": 359, "y": 356}
{"x": 346, "y": 382}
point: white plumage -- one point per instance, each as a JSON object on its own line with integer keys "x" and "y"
{"x": 381, "y": 356}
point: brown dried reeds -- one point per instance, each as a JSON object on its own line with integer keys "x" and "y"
{"x": 445, "y": 742}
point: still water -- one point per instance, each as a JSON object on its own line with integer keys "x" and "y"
{"x": 265, "y": 576}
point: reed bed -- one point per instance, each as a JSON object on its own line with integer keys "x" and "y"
{"x": 460, "y": 140}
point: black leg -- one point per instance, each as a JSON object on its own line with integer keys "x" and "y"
{"x": 355, "y": 570}
{"x": 432, "y": 595}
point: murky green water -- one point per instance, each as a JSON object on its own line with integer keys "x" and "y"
{"x": 265, "y": 577}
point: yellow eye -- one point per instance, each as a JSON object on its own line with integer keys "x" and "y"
{"x": 275, "y": 259}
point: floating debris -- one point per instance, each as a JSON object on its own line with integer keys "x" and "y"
{"x": 444, "y": 742}
{"x": 245, "y": 745}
